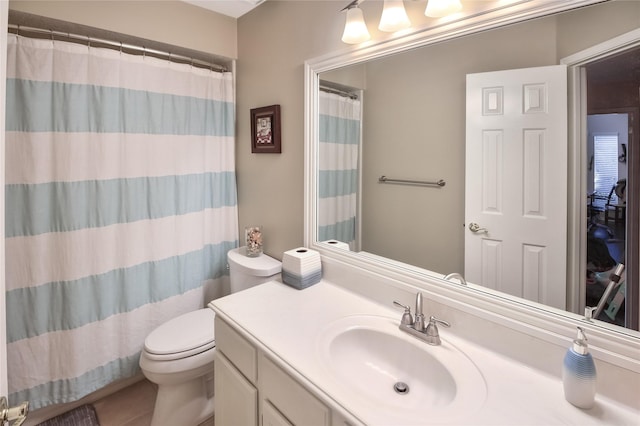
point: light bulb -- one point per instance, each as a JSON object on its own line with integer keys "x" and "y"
{"x": 355, "y": 30}
{"x": 440, "y": 8}
{"x": 394, "y": 17}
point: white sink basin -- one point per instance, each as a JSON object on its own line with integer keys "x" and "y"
{"x": 374, "y": 361}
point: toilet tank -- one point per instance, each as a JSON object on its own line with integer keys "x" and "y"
{"x": 245, "y": 272}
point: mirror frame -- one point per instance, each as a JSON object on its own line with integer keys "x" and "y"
{"x": 614, "y": 344}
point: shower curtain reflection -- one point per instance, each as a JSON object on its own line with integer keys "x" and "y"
{"x": 339, "y": 136}
{"x": 120, "y": 208}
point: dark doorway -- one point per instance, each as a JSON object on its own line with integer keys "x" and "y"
{"x": 613, "y": 88}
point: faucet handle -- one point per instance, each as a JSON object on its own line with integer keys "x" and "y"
{"x": 432, "y": 330}
{"x": 433, "y": 321}
{"x": 407, "y": 319}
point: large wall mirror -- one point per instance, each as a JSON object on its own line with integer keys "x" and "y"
{"x": 391, "y": 174}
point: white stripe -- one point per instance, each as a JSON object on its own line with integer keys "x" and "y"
{"x": 337, "y": 156}
{"x": 64, "y": 157}
{"x": 76, "y": 254}
{"x": 71, "y": 353}
{"x": 112, "y": 68}
{"x": 339, "y": 106}
{"x": 336, "y": 209}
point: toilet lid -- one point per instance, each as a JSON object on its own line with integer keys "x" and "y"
{"x": 189, "y": 333}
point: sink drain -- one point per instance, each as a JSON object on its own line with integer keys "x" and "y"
{"x": 401, "y": 388}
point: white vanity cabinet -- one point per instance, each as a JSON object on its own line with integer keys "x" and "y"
{"x": 277, "y": 363}
{"x": 251, "y": 389}
{"x": 236, "y": 396}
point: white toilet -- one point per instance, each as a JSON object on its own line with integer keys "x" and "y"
{"x": 178, "y": 355}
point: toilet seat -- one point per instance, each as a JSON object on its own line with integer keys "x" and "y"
{"x": 187, "y": 335}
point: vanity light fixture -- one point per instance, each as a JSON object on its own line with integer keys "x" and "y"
{"x": 440, "y": 8}
{"x": 355, "y": 29}
{"x": 394, "y": 17}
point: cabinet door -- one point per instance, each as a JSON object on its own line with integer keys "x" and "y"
{"x": 236, "y": 399}
{"x": 272, "y": 417}
{"x": 289, "y": 397}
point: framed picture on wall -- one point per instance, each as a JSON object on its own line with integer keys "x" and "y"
{"x": 265, "y": 130}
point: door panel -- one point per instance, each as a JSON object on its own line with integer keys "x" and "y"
{"x": 516, "y": 182}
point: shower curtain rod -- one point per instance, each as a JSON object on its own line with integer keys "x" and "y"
{"x": 115, "y": 45}
{"x": 339, "y": 92}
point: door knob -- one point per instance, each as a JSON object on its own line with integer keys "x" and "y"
{"x": 16, "y": 414}
{"x": 476, "y": 229}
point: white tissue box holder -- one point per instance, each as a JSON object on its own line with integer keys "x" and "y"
{"x": 301, "y": 268}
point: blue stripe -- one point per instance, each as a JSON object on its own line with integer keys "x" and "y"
{"x": 69, "y": 390}
{"x": 339, "y": 130}
{"x": 38, "y": 106}
{"x": 335, "y": 183}
{"x": 33, "y": 209}
{"x": 344, "y": 231}
{"x": 64, "y": 305}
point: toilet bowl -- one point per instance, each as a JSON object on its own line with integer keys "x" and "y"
{"x": 178, "y": 355}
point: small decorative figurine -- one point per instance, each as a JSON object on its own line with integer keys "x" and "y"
{"x": 253, "y": 236}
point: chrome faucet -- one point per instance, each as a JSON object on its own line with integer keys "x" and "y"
{"x": 418, "y": 324}
{"x": 456, "y": 275}
{"x": 416, "y": 327}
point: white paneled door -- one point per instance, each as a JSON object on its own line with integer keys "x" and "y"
{"x": 516, "y": 182}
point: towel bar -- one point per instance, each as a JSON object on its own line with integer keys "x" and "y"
{"x": 385, "y": 179}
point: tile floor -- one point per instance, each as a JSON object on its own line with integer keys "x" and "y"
{"x": 131, "y": 406}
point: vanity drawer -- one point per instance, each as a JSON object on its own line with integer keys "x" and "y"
{"x": 240, "y": 352}
{"x": 289, "y": 398}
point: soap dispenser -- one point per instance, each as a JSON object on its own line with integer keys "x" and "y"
{"x": 579, "y": 373}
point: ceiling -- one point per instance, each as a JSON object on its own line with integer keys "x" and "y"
{"x": 233, "y": 8}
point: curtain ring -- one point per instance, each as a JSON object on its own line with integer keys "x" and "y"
{"x": 121, "y": 48}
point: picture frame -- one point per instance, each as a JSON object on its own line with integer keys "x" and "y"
{"x": 265, "y": 130}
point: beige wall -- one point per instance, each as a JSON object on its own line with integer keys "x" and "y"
{"x": 592, "y": 25}
{"x": 171, "y": 22}
{"x": 274, "y": 40}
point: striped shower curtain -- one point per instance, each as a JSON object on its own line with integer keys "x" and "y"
{"x": 339, "y": 134}
{"x": 120, "y": 208}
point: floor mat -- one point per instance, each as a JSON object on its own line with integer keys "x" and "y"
{"x": 84, "y": 415}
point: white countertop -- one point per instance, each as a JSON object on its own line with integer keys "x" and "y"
{"x": 289, "y": 323}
